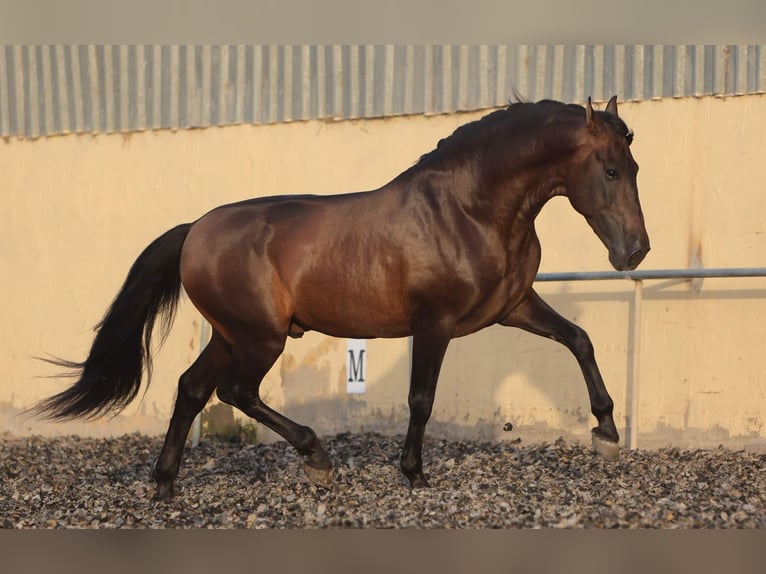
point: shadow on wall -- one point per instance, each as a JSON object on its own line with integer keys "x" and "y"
{"x": 465, "y": 408}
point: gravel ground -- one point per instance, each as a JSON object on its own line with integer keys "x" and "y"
{"x": 105, "y": 483}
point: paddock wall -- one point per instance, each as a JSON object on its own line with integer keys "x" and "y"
{"x": 79, "y": 209}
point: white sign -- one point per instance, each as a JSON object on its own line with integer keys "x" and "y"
{"x": 356, "y": 366}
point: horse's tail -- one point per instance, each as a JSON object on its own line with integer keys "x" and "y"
{"x": 109, "y": 379}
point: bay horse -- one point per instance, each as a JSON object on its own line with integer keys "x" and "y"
{"x": 446, "y": 248}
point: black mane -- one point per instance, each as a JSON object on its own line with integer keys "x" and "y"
{"x": 475, "y": 135}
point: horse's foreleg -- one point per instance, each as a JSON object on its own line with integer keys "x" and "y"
{"x": 427, "y": 354}
{"x": 194, "y": 389}
{"x": 534, "y": 315}
{"x": 253, "y": 362}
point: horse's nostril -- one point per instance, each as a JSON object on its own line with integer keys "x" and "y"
{"x": 637, "y": 257}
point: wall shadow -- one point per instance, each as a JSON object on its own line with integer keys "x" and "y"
{"x": 525, "y": 356}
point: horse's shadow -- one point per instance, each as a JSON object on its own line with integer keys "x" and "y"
{"x": 479, "y": 407}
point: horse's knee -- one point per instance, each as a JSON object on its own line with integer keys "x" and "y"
{"x": 580, "y": 343}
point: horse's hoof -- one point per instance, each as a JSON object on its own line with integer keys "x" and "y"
{"x": 606, "y": 448}
{"x": 163, "y": 492}
{"x": 418, "y": 481}
{"x": 319, "y": 476}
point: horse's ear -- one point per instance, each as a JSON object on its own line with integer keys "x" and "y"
{"x": 611, "y": 107}
{"x": 592, "y": 122}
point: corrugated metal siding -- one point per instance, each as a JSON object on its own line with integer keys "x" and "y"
{"x": 66, "y": 89}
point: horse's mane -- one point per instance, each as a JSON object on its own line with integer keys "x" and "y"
{"x": 474, "y": 134}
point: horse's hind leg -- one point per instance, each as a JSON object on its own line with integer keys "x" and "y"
{"x": 534, "y": 315}
{"x": 253, "y": 361}
{"x": 194, "y": 389}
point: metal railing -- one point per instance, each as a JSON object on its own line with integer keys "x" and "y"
{"x": 654, "y": 274}
{"x": 638, "y": 277}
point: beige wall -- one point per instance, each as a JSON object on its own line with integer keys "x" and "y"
{"x": 79, "y": 209}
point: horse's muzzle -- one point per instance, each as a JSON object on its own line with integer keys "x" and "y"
{"x": 637, "y": 257}
{"x": 630, "y": 259}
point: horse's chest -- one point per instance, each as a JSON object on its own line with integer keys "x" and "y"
{"x": 506, "y": 290}
{"x": 488, "y": 306}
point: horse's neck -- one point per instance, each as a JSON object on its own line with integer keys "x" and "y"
{"x": 516, "y": 196}
{"x": 507, "y": 187}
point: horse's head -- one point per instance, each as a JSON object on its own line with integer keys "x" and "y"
{"x": 604, "y": 190}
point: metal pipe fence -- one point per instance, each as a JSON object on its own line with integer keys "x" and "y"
{"x": 654, "y": 274}
{"x": 638, "y": 278}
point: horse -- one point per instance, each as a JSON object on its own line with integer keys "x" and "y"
{"x": 446, "y": 248}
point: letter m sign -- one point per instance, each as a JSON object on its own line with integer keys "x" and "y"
{"x": 356, "y": 366}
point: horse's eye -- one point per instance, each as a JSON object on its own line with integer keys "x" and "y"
{"x": 611, "y": 173}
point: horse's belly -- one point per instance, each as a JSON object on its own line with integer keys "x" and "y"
{"x": 353, "y": 326}
{"x": 339, "y": 313}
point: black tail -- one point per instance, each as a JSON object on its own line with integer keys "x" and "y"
{"x": 110, "y": 377}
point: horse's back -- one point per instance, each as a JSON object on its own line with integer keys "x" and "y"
{"x": 318, "y": 261}
{"x": 372, "y": 264}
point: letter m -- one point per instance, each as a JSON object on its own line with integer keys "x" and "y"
{"x": 355, "y": 367}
